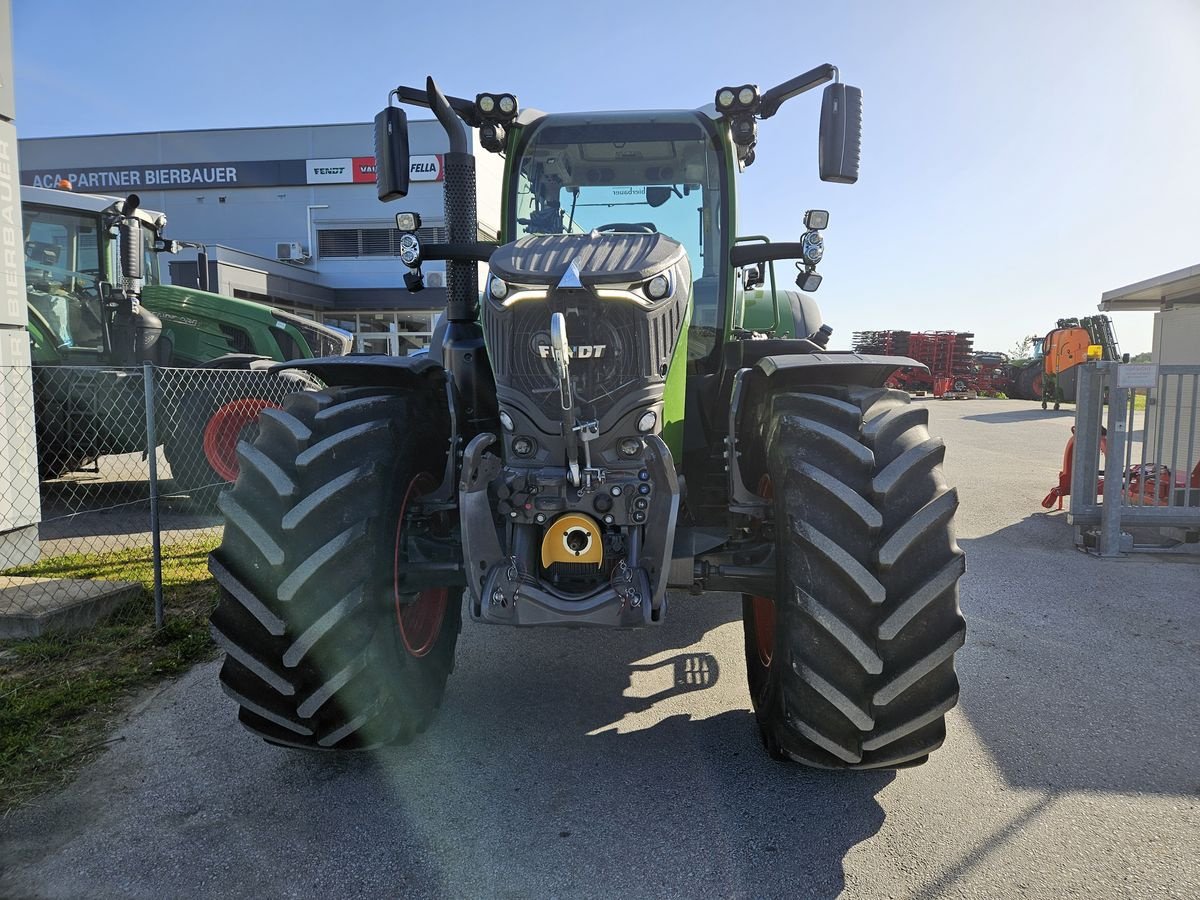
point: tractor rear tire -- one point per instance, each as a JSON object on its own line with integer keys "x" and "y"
{"x": 317, "y": 656}
{"x": 851, "y": 663}
{"x": 217, "y": 410}
{"x": 1025, "y": 381}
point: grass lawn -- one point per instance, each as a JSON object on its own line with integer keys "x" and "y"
{"x": 60, "y": 694}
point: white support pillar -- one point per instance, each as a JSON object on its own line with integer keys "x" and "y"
{"x": 20, "y": 504}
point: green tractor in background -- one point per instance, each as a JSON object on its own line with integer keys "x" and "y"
{"x": 97, "y": 308}
{"x": 625, "y": 410}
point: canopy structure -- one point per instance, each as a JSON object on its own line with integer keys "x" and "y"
{"x": 1157, "y": 293}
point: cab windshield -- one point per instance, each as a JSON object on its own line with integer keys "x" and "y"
{"x": 63, "y": 268}
{"x": 606, "y": 173}
{"x": 67, "y": 255}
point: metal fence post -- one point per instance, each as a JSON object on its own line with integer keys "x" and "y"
{"x": 1114, "y": 471}
{"x": 152, "y": 461}
{"x": 1086, "y": 462}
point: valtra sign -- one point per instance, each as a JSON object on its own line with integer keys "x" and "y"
{"x": 251, "y": 173}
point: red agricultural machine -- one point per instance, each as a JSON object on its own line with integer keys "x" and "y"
{"x": 1144, "y": 484}
{"x": 954, "y": 366}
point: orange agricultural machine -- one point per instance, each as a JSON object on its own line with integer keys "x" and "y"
{"x": 1057, "y": 354}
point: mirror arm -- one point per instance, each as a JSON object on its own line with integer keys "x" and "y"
{"x": 744, "y": 254}
{"x": 480, "y": 251}
{"x": 419, "y": 97}
{"x": 778, "y": 95}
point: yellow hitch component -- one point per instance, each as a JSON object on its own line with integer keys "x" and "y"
{"x": 572, "y": 539}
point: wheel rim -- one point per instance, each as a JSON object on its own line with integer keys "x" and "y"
{"x": 419, "y": 621}
{"x": 764, "y": 607}
{"x": 224, "y": 430}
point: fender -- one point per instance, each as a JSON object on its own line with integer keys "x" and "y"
{"x": 833, "y": 368}
{"x": 360, "y": 371}
{"x": 785, "y": 371}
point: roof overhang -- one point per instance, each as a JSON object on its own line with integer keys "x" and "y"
{"x": 1182, "y": 286}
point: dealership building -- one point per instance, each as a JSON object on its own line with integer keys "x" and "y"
{"x": 289, "y": 216}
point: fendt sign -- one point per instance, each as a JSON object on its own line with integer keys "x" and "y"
{"x": 251, "y": 173}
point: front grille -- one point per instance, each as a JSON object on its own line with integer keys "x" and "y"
{"x": 637, "y": 346}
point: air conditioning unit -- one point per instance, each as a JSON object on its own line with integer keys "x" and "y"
{"x": 291, "y": 251}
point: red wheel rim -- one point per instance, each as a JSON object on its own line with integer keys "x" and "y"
{"x": 420, "y": 621}
{"x": 224, "y": 430}
{"x": 764, "y": 607}
{"x": 1036, "y": 386}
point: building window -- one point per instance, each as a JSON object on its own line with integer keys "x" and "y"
{"x": 386, "y": 331}
{"x": 352, "y": 243}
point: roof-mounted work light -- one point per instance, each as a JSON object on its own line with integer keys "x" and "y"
{"x": 733, "y": 100}
{"x": 500, "y": 108}
{"x": 494, "y": 111}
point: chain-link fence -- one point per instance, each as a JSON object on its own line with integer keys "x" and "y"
{"x": 111, "y": 487}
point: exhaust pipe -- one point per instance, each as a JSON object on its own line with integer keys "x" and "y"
{"x": 462, "y": 276}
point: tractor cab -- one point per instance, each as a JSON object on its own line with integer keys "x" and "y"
{"x": 83, "y": 281}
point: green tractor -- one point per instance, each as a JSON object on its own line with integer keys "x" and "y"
{"x": 97, "y": 308}
{"x": 625, "y": 410}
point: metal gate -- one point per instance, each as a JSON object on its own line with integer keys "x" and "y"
{"x": 1150, "y": 477}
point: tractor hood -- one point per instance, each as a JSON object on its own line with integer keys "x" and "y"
{"x": 603, "y": 258}
{"x": 202, "y": 326}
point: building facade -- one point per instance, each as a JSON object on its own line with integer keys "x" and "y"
{"x": 288, "y": 216}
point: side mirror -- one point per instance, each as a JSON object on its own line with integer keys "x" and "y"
{"x": 391, "y": 154}
{"x": 131, "y": 249}
{"x": 840, "y": 143}
{"x": 752, "y": 277}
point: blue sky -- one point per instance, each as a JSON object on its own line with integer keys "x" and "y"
{"x": 1020, "y": 157}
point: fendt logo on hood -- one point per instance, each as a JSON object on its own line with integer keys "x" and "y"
{"x": 583, "y": 351}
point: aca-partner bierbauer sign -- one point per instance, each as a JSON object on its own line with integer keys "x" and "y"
{"x": 252, "y": 173}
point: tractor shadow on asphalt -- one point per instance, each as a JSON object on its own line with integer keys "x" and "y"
{"x": 1021, "y": 415}
{"x": 1079, "y": 672}
{"x": 624, "y": 763}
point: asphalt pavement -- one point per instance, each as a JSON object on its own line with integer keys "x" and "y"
{"x": 602, "y": 764}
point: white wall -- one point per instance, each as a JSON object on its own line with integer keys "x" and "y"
{"x": 1177, "y": 343}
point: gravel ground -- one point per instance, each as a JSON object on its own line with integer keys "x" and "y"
{"x": 587, "y": 763}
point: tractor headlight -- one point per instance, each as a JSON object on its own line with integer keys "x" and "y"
{"x": 506, "y": 420}
{"x": 658, "y": 287}
{"x": 497, "y": 288}
{"x": 725, "y": 98}
{"x": 813, "y": 247}
{"x": 508, "y": 104}
{"x": 486, "y": 102}
{"x": 746, "y": 95}
{"x": 410, "y": 250}
{"x": 647, "y": 421}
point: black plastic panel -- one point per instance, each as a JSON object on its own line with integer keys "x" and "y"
{"x": 603, "y": 258}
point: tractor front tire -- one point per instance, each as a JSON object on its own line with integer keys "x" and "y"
{"x": 851, "y": 663}
{"x": 318, "y": 655}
